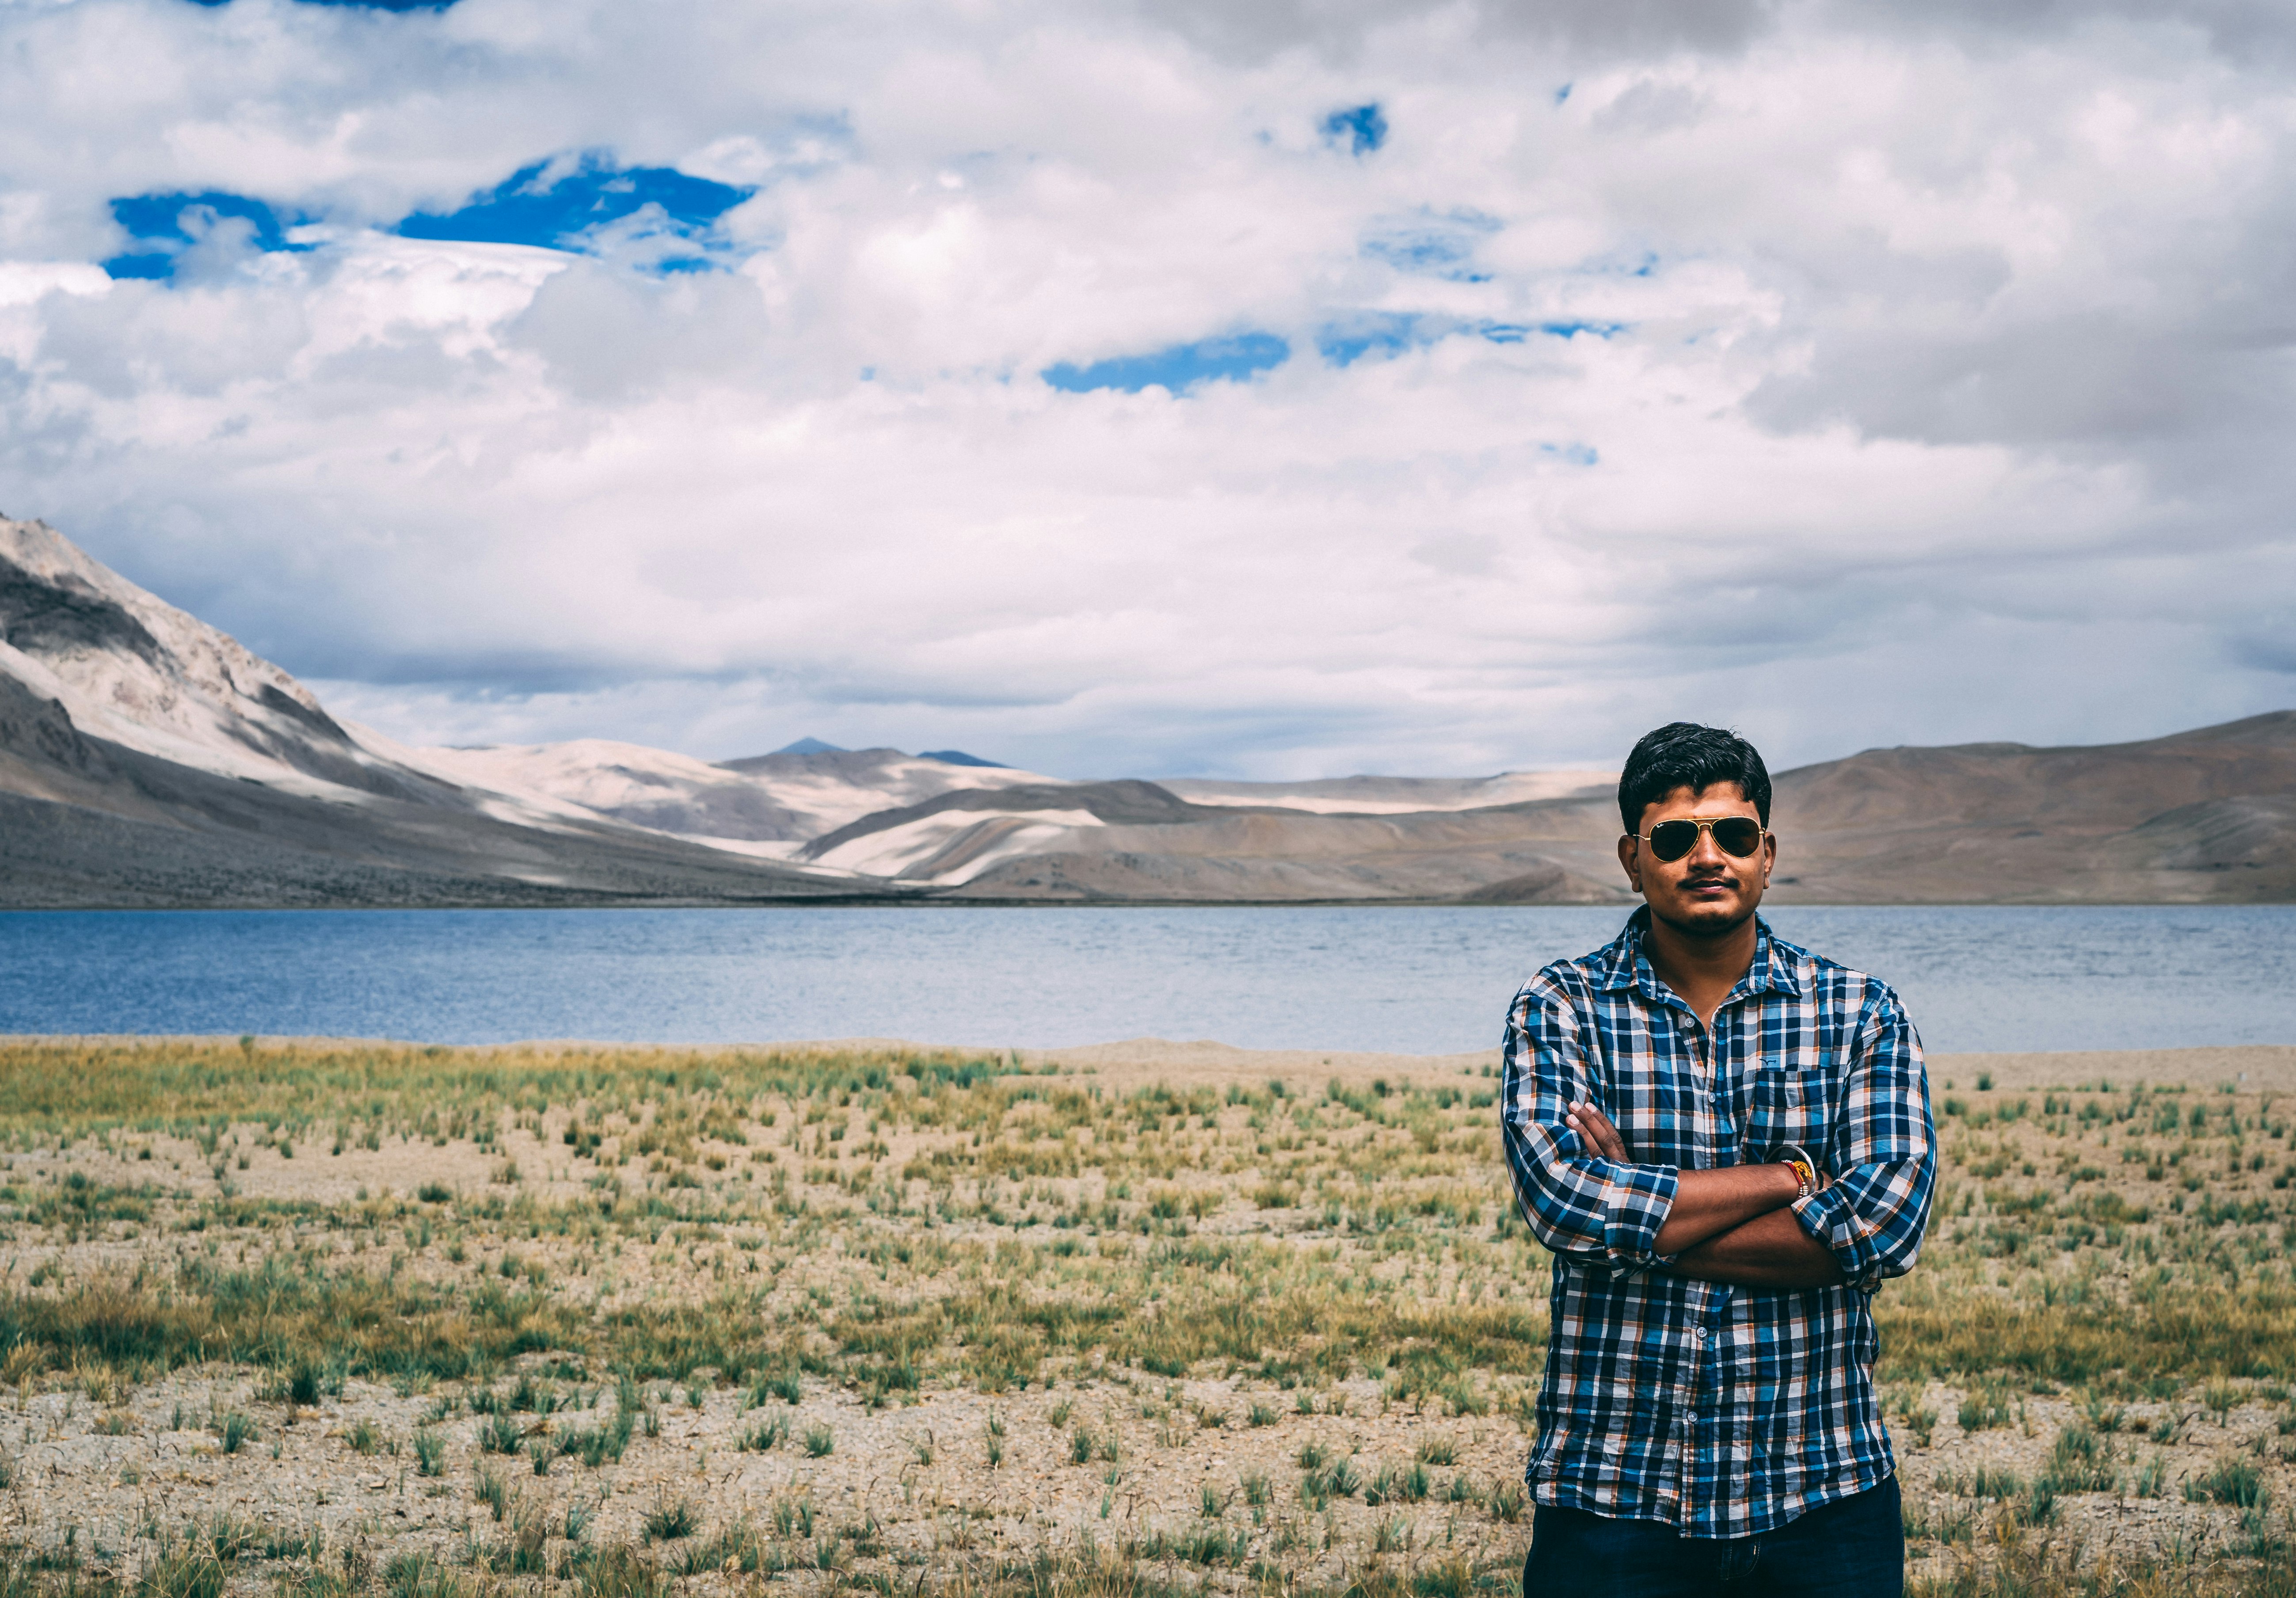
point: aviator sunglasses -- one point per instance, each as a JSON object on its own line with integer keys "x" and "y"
{"x": 1736, "y": 835}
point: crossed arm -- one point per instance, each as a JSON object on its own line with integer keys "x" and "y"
{"x": 1731, "y": 1224}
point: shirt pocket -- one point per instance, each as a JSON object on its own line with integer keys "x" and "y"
{"x": 1793, "y": 1102}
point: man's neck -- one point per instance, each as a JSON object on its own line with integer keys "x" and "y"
{"x": 1700, "y": 968}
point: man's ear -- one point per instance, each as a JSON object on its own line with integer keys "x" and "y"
{"x": 1630, "y": 860}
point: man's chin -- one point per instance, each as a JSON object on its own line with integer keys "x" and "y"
{"x": 1714, "y": 919}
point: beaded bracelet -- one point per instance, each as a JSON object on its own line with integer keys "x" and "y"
{"x": 1805, "y": 1168}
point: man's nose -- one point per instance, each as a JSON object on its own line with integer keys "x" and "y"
{"x": 1706, "y": 851}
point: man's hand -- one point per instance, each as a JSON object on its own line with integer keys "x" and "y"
{"x": 1709, "y": 1204}
{"x": 1594, "y": 1127}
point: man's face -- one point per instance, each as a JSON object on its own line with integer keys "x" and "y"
{"x": 1708, "y": 892}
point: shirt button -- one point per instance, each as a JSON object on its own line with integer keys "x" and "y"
{"x": 1699, "y": 1332}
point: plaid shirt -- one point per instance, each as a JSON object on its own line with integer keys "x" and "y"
{"x": 1721, "y": 1410}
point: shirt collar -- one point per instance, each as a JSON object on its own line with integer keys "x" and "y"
{"x": 1624, "y": 965}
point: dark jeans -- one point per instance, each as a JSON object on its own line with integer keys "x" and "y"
{"x": 1851, "y": 1548}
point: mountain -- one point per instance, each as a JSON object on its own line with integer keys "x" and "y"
{"x": 148, "y": 759}
{"x": 767, "y": 805}
{"x": 842, "y": 786}
{"x": 958, "y": 836}
{"x": 1534, "y": 852}
{"x": 643, "y": 787}
{"x": 2203, "y": 816}
{"x": 140, "y": 674}
{"x": 1396, "y": 795}
{"x": 2207, "y": 816}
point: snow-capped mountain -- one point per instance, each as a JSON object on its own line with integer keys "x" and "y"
{"x": 132, "y": 669}
{"x": 767, "y": 805}
{"x": 146, "y": 757}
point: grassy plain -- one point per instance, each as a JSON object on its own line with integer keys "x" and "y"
{"x": 327, "y": 1321}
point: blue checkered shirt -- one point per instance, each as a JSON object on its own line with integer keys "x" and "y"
{"x": 1721, "y": 1410}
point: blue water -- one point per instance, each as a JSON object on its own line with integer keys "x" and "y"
{"x": 1420, "y": 980}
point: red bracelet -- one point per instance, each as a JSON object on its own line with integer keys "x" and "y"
{"x": 1805, "y": 1170}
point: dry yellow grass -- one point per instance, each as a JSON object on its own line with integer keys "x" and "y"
{"x": 428, "y": 1322}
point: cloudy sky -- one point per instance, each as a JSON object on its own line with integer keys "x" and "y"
{"x": 1176, "y": 387}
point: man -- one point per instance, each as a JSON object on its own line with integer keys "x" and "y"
{"x": 1726, "y": 1141}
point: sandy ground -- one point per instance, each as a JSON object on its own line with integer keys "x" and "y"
{"x": 2259, "y": 1068}
{"x": 2263, "y": 1068}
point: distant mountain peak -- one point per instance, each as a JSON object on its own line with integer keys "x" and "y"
{"x": 957, "y": 757}
{"x": 809, "y": 746}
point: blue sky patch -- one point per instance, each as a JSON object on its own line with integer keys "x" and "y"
{"x": 1388, "y": 333}
{"x": 1516, "y": 333}
{"x": 164, "y": 225}
{"x": 1180, "y": 368}
{"x": 555, "y": 206}
{"x": 146, "y": 264}
{"x": 1361, "y": 128}
{"x": 1433, "y": 244}
{"x": 357, "y": 5}
{"x": 555, "y": 214}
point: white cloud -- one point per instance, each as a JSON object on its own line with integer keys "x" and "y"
{"x": 1950, "y": 372}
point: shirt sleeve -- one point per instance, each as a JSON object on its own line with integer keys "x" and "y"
{"x": 1883, "y": 1153}
{"x": 1576, "y": 1201}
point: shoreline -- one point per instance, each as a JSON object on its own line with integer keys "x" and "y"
{"x": 1141, "y": 1061}
{"x": 2249, "y": 1068}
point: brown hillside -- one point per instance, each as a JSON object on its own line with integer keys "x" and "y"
{"x": 2204, "y": 815}
{"x": 2207, "y": 816}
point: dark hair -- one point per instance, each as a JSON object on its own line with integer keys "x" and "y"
{"x": 1682, "y": 754}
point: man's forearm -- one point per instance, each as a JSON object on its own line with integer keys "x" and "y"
{"x": 1708, "y": 1204}
{"x": 1770, "y": 1250}
{"x": 1711, "y": 1204}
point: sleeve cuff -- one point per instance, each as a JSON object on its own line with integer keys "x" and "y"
{"x": 1831, "y": 1218}
{"x": 1636, "y": 1200}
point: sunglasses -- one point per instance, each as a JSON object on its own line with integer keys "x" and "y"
{"x": 1735, "y": 835}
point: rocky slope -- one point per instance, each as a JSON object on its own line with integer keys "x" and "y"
{"x": 1397, "y": 796}
{"x": 2207, "y": 816}
{"x": 146, "y": 759}
{"x": 2204, "y": 815}
{"x": 768, "y": 805}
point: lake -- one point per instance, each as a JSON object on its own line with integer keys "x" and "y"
{"x": 1414, "y": 981}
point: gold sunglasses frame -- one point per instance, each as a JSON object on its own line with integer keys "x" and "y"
{"x": 1705, "y": 825}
